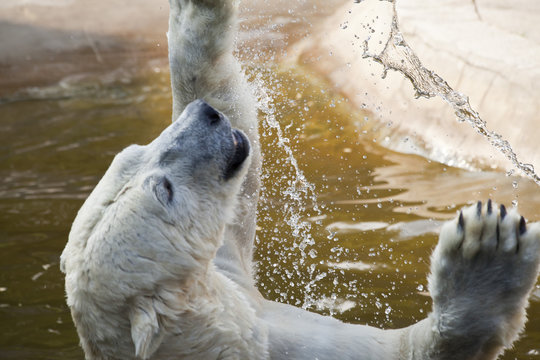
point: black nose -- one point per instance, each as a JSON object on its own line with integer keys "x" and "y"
{"x": 209, "y": 113}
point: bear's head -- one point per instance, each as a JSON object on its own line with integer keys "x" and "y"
{"x": 158, "y": 213}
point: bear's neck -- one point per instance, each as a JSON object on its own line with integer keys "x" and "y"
{"x": 205, "y": 300}
{"x": 214, "y": 303}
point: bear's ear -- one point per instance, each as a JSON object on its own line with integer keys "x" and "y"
{"x": 146, "y": 332}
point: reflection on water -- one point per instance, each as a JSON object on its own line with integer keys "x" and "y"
{"x": 362, "y": 254}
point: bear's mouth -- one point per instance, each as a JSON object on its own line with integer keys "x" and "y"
{"x": 241, "y": 152}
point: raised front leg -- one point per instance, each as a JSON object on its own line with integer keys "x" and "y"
{"x": 200, "y": 52}
{"x": 201, "y": 41}
{"x": 482, "y": 273}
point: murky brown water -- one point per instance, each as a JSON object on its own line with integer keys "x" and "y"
{"x": 362, "y": 256}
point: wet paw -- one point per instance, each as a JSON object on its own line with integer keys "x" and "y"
{"x": 482, "y": 271}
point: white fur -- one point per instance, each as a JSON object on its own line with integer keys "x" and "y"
{"x": 152, "y": 275}
{"x": 140, "y": 276}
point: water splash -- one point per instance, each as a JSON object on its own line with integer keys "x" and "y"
{"x": 397, "y": 55}
{"x": 299, "y": 196}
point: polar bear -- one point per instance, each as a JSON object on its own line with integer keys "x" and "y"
{"x": 158, "y": 261}
{"x": 138, "y": 263}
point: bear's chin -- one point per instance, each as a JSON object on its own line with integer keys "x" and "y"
{"x": 239, "y": 155}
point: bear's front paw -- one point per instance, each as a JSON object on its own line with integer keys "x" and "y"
{"x": 482, "y": 271}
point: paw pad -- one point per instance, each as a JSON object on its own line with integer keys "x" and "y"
{"x": 483, "y": 269}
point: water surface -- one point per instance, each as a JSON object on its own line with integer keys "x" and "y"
{"x": 356, "y": 245}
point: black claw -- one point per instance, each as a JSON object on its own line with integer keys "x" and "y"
{"x": 479, "y": 208}
{"x": 489, "y": 207}
{"x": 503, "y": 212}
{"x": 522, "y": 226}
{"x": 461, "y": 222}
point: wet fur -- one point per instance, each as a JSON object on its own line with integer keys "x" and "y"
{"x": 147, "y": 283}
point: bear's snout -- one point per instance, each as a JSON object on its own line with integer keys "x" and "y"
{"x": 210, "y": 114}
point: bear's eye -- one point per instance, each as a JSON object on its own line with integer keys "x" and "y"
{"x": 168, "y": 188}
{"x": 163, "y": 189}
